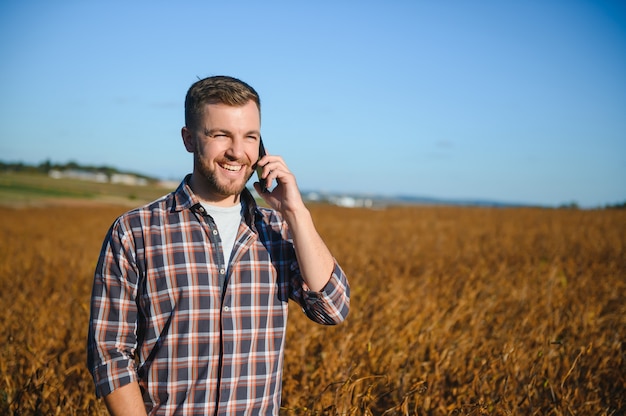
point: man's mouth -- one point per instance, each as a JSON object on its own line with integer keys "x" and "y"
{"x": 231, "y": 168}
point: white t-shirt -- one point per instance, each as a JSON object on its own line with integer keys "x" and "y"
{"x": 227, "y": 220}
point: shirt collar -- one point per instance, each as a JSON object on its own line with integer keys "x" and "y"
{"x": 184, "y": 198}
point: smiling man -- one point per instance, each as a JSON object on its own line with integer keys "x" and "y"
{"x": 190, "y": 296}
{"x": 225, "y": 144}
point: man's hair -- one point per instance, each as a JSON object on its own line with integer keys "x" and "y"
{"x": 216, "y": 90}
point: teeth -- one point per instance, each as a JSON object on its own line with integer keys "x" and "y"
{"x": 232, "y": 168}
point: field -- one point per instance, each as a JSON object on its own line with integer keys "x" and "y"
{"x": 455, "y": 310}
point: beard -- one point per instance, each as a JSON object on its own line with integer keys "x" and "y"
{"x": 221, "y": 187}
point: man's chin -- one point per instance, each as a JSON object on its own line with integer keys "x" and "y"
{"x": 231, "y": 189}
{"x": 223, "y": 186}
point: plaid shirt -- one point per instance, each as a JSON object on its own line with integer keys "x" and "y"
{"x": 159, "y": 314}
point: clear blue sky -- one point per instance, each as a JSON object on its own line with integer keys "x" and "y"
{"x": 517, "y": 101}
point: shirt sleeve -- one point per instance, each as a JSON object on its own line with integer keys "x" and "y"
{"x": 331, "y": 305}
{"x": 112, "y": 334}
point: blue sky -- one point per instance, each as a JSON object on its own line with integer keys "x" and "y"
{"x": 516, "y": 101}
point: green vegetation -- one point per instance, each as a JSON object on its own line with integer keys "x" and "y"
{"x": 47, "y": 166}
{"x": 49, "y": 183}
{"x": 34, "y": 188}
{"x": 9, "y": 184}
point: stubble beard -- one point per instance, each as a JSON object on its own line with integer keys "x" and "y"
{"x": 223, "y": 188}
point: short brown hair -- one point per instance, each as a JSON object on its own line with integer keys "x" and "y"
{"x": 217, "y": 89}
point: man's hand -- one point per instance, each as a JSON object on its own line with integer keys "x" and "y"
{"x": 285, "y": 197}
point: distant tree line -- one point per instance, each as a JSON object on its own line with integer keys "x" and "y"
{"x": 617, "y": 206}
{"x": 574, "y": 205}
{"x": 46, "y": 166}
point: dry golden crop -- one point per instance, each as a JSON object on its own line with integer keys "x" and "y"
{"x": 466, "y": 311}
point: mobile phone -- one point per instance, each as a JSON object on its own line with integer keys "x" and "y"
{"x": 259, "y": 169}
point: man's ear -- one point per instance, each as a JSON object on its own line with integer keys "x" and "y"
{"x": 188, "y": 139}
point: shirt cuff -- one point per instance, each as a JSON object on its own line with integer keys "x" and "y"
{"x": 334, "y": 292}
{"x": 113, "y": 375}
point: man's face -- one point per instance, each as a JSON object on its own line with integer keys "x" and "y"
{"x": 225, "y": 146}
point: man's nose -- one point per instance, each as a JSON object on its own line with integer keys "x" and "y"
{"x": 236, "y": 148}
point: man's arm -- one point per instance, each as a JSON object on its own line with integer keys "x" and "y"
{"x": 111, "y": 331}
{"x": 126, "y": 400}
{"x": 314, "y": 259}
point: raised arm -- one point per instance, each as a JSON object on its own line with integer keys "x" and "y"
{"x": 315, "y": 260}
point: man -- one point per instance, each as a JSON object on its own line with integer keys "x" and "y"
{"x": 190, "y": 296}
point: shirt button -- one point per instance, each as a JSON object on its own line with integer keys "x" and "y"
{"x": 214, "y": 232}
{"x": 226, "y": 308}
{"x": 222, "y": 271}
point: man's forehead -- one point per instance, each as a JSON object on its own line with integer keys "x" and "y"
{"x": 220, "y": 106}
{"x": 246, "y": 116}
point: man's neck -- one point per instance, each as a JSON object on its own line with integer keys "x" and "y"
{"x": 197, "y": 186}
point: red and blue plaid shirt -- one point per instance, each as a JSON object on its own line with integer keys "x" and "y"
{"x": 201, "y": 335}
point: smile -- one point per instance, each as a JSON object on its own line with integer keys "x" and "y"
{"x": 231, "y": 168}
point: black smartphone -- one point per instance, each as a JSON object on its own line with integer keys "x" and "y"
{"x": 259, "y": 169}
